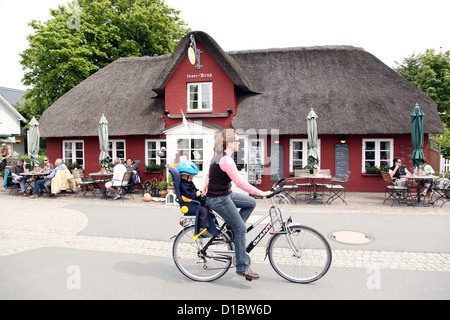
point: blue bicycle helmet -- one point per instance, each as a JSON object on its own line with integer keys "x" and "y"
{"x": 187, "y": 167}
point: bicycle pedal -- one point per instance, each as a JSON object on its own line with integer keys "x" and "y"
{"x": 248, "y": 279}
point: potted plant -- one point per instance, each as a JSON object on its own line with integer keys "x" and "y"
{"x": 372, "y": 170}
{"x": 152, "y": 167}
{"x": 163, "y": 188}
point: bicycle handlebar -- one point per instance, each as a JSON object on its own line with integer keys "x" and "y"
{"x": 277, "y": 187}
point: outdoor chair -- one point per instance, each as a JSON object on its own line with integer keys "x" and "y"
{"x": 82, "y": 185}
{"x": 289, "y": 188}
{"x": 124, "y": 187}
{"x": 302, "y": 182}
{"x": 442, "y": 189}
{"x": 322, "y": 186}
{"x": 397, "y": 193}
{"x": 337, "y": 188}
{"x": 14, "y": 186}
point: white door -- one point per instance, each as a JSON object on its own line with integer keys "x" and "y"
{"x": 196, "y": 144}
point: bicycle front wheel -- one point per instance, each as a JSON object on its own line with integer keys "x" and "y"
{"x": 199, "y": 264}
{"x": 300, "y": 255}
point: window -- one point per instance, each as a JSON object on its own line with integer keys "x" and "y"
{"x": 199, "y": 96}
{"x": 117, "y": 149}
{"x": 73, "y": 151}
{"x": 298, "y": 156}
{"x": 377, "y": 152}
{"x": 152, "y": 147}
{"x": 191, "y": 149}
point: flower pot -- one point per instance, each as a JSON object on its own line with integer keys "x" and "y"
{"x": 163, "y": 193}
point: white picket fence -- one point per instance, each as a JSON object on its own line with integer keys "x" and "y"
{"x": 445, "y": 165}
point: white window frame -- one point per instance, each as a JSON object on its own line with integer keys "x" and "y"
{"x": 305, "y": 152}
{"x": 158, "y": 147}
{"x": 114, "y": 149}
{"x": 200, "y": 97}
{"x": 377, "y": 152}
{"x": 191, "y": 150}
{"x": 74, "y": 142}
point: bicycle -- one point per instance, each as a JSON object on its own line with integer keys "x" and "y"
{"x": 297, "y": 253}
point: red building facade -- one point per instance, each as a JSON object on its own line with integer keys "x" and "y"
{"x": 216, "y": 90}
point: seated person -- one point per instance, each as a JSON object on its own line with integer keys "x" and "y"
{"x": 16, "y": 170}
{"x": 119, "y": 171}
{"x": 47, "y": 165}
{"x": 133, "y": 167}
{"x": 425, "y": 170}
{"x": 47, "y": 180}
{"x": 397, "y": 170}
{"x": 188, "y": 170}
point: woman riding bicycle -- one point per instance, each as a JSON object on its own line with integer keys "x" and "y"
{"x": 222, "y": 172}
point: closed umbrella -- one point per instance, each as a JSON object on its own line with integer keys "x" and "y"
{"x": 417, "y": 157}
{"x": 33, "y": 142}
{"x": 104, "y": 158}
{"x": 313, "y": 153}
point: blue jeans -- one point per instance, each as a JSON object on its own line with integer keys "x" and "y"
{"x": 40, "y": 184}
{"x": 227, "y": 207}
{"x": 21, "y": 183}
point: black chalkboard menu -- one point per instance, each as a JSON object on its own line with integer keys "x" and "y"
{"x": 341, "y": 160}
{"x": 276, "y": 162}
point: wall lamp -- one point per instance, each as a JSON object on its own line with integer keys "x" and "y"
{"x": 343, "y": 139}
{"x": 230, "y": 111}
{"x": 167, "y": 113}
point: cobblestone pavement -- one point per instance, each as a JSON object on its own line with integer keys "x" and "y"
{"x": 31, "y": 224}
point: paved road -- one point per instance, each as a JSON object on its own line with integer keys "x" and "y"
{"x": 68, "y": 248}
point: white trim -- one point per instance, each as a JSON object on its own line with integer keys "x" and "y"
{"x": 114, "y": 148}
{"x": 304, "y": 150}
{"x": 158, "y": 147}
{"x": 16, "y": 113}
{"x": 73, "y": 151}
{"x": 377, "y": 159}
{"x": 200, "y": 97}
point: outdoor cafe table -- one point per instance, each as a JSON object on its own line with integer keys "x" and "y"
{"x": 314, "y": 178}
{"x": 417, "y": 179}
{"x": 101, "y": 178}
{"x": 30, "y": 183}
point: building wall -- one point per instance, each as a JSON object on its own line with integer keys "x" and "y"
{"x": 224, "y": 95}
{"x": 135, "y": 149}
{"x": 359, "y": 182}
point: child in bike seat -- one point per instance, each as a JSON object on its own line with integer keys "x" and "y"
{"x": 188, "y": 170}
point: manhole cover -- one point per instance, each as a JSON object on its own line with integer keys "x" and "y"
{"x": 351, "y": 237}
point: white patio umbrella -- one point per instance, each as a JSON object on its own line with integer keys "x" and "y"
{"x": 33, "y": 142}
{"x": 103, "y": 136}
{"x": 313, "y": 152}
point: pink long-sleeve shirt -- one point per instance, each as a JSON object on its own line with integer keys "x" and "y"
{"x": 228, "y": 166}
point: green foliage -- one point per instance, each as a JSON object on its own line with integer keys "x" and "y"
{"x": 430, "y": 72}
{"x": 152, "y": 167}
{"x": 376, "y": 170}
{"x": 163, "y": 185}
{"x": 87, "y": 35}
{"x": 444, "y": 140}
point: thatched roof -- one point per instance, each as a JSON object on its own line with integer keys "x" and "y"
{"x": 121, "y": 91}
{"x": 351, "y": 91}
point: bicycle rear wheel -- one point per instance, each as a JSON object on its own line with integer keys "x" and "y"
{"x": 300, "y": 255}
{"x": 197, "y": 264}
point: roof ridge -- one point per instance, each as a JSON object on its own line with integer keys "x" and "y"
{"x": 310, "y": 48}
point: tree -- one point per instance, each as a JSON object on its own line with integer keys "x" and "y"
{"x": 430, "y": 72}
{"x": 87, "y": 35}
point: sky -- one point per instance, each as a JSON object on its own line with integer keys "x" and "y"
{"x": 391, "y": 30}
